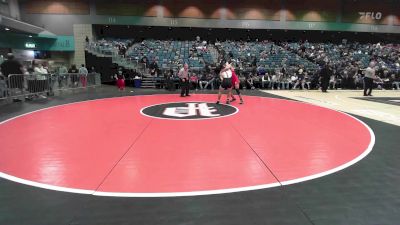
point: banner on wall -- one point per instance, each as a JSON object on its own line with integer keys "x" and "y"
{"x": 60, "y": 43}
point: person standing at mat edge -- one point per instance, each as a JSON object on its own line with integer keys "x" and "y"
{"x": 325, "y": 75}
{"x": 369, "y": 77}
{"x": 184, "y": 80}
{"x": 13, "y": 66}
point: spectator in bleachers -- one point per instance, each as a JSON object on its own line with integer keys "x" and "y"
{"x": 256, "y": 81}
{"x": 283, "y": 70}
{"x": 346, "y": 58}
{"x": 332, "y": 82}
{"x": 279, "y": 80}
{"x": 285, "y": 81}
{"x": 274, "y": 83}
{"x": 250, "y": 81}
{"x": 122, "y": 50}
{"x": 203, "y": 81}
{"x": 169, "y": 80}
{"x": 293, "y": 80}
{"x": 346, "y": 78}
{"x": 153, "y": 68}
{"x": 144, "y": 61}
{"x": 394, "y": 81}
{"x": 194, "y": 80}
{"x": 210, "y": 80}
{"x": 265, "y": 80}
{"x": 300, "y": 78}
{"x": 261, "y": 70}
{"x": 307, "y": 80}
{"x": 358, "y": 80}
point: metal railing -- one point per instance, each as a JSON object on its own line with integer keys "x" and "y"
{"x": 31, "y": 85}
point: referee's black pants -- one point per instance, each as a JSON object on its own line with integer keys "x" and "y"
{"x": 184, "y": 87}
{"x": 368, "y": 84}
{"x": 324, "y": 85}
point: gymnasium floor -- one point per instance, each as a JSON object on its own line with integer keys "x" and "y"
{"x": 272, "y": 160}
{"x": 382, "y": 106}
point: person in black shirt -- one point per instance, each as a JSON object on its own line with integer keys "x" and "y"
{"x": 144, "y": 61}
{"x": 73, "y": 69}
{"x": 254, "y": 62}
{"x": 122, "y": 50}
{"x": 92, "y": 70}
{"x": 300, "y": 78}
{"x": 87, "y": 40}
{"x": 73, "y": 73}
{"x": 13, "y": 66}
{"x": 153, "y": 68}
{"x": 325, "y": 75}
{"x": 170, "y": 80}
{"x": 203, "y": 81}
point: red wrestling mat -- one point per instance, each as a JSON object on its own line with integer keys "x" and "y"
{"x": 140, "y": 146}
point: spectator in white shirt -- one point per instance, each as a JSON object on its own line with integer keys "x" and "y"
{"x": 83, "y": 72}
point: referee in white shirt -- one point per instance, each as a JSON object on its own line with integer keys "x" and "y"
{"x": 369, "y": 77}
{"x": 184, "y": 78}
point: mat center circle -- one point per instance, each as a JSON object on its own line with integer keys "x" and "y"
{"x": 189, "y": 110}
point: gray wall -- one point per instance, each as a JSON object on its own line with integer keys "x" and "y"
{"x": 14, "y": 9}
{"x": 57, "y": 24}
{"x": 60, "y": 24}
{"x": 10, "y": 8}
{"x": 4, "y": 8}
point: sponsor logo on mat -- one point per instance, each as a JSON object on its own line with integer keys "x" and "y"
{"x": 189, "y": 110}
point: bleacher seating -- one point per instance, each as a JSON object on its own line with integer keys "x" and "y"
{"x": 171, "y": 53}
{"x": 271, "y": 55}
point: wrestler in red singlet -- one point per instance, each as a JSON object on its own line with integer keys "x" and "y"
{"x": 236, "y": 85}
{"x": 235, "y": 79}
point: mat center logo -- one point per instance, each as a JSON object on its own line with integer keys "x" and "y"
{"x": 189, "y": 110}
